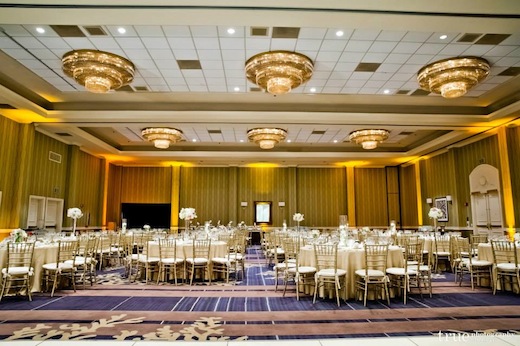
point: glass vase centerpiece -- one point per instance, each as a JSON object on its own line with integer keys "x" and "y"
{"x": 298, "y": 217}
{"x": 74, "y": 214}
{"x": 434, "y": 214}
{"x": 187, "y": 214}
{"x": 18, "y": 235}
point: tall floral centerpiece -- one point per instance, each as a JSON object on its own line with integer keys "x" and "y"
{"x": 187, "y": 214}
{"x": 74, "y": 214}
{"x": 298, "y": 217}
{"x": 434, "y": 214}
{"x": 18, "y": 235}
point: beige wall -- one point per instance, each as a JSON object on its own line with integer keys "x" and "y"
{"x": 379, "y": 194}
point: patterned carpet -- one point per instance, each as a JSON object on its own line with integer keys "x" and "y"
{"x": 114, "y": 309}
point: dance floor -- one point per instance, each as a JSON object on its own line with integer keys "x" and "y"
{"x": 114, "y": 309}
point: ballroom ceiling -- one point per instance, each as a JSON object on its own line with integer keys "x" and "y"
{"x": 190, "y": 76}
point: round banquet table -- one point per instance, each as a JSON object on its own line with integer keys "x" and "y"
{"x": 185, "y": 249}
{"x": 43, "y": 253}
{"x": 351, "y": 260}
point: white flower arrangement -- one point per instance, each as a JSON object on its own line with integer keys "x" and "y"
{"x": 74, "y": 213}
{"x": 435, "y": 213}
{"x": 315, "y": 233}
{"x": 187, "y": 214}
{"x": 18, "y": 235}
{"x": 298, "y": 217}
{"x": 146, "y": 227}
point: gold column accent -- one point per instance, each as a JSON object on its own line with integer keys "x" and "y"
{"x": 351, "y": 197}
{"x": 234, "y": 205}
{"x": 71, "y": 190}
{"x": 291, "y": 205}
{"x": 23, "y": 173}
{"x": 104, "y": 202}
{"x": 419, "y": 195}
{"x": 175, "y": 196}
{"x": 505, "y": 172}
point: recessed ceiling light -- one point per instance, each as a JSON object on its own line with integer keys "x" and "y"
{"x": 241, "y": 141}
{"x": 194, "y": 140}
{"x": 386, "y": 91}
{"x": 236, "y": 89}
{"x": 288, "y": 141}
{"x": 335, "y": 141}
{"x": 40, "y": 30}
{"x": 443, "y": 37}
{"x": 313, "y": 90}
{"x": 121, "y": 30}
{"x": 231, "y": 31}
{"x": 339, "y": 33}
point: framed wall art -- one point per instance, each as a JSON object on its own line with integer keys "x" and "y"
{"x": 442, "y": 204}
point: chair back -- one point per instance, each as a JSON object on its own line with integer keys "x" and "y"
{"x": 201, "y": 248}
{"x": 67, "y": 250}
{"x": 167, "y": 248}
{"x": 442, "y": 244}
{"x": 326, "y": 256}
{"x": 413, "y": 252}
{"x": 504, "y": 251}
{"x": 20, "y": 254}
{"x": 376, "y": 256}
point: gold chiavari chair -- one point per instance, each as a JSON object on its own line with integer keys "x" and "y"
{"x": 63, "y": 266}
{"x": 327, "y": 271}
{"x": 374, "y": 273}
{"x": 199, "y": 259}
{"x": 18, "y": 273}
{"x": 468, "y": 264}
{"x": 85, "y": 259}
{"x": 169, "y": 262}
{"x": 505, "y": 263}
{"x": 301, "y": 275}
{"x": 403, "y": 277}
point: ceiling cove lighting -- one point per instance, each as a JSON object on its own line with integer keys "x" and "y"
{"x": 278, "y": 72}
{"x": 162, "y": 137}
{"x": 453, "y": 77}
{"x": 266, "y": 137}
{"x": 368, "y": 138}
{"x": 98, "y": 71}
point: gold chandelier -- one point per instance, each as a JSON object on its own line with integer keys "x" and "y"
{"x": 98, "y": 71}
{"x": 368, "y": 138}
{"x": 162, "y": 137}
{"x": 266, "y": 137}
{"x": 278, "y": 72}
{"x": 453, "y": 77}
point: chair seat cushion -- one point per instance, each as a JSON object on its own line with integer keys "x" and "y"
{"x": 481, "y": 263}
{"x": 507, "y": 266}
{"x": 197, "y": 260}
{"x": 18, "y": 271}
{"x": 80, "y": 260}
{"x": 223, "y": 260}
{"x": 330, "y": 272}
{"x": 401, "y": 271}
{"x": 171, "y": 260}
{"x": 284, "y": 265}
{"x": 61, "y": 266}
{"x": 145, "y": 259}
{"x": 371, "y": 273}
{"x": 442, "y": 253}
{"x": 302, "y": 270}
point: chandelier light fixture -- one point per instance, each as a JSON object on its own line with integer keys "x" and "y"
{"x": 266, "y": 137}
{"x": 98, "y": 71}
{"x": 278, "y": 72}
{"x": 368, "y": 138}
{"x": 453, "y": 77}
{"x": 162, "y": 137}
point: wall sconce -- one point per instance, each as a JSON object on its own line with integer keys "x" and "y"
{"x": 449, "y": 199}
{"x": 243, "y": 204}
{"x": 429, "y": 201}
{"x": 281, "y": 204}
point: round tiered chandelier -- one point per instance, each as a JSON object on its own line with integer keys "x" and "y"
{"x": 266, "y": 137}
{"x": 98, "y": 71}
{"x": 453, "y": 77}
{"x": 162, "y": 137}
{"x": 369, "y": 139}
{"x": 278, "y": 72}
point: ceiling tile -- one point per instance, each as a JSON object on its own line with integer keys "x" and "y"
{"x": 232, "y": 43}
{"x": 183, "y": 43}
{"x": 214, "y": 55}
{"x": 352, "y": 56}
{"x": 18, "y": 53}
{"x": 375, "y": 57}
{"x": 333, "y": 45}
{"x": 312, "y": 33}
{"x": 406, "y": 47}
{"x": 161, "y": 54}
{"x": 30, "y": 42}
{"x": 328, "y": 56}
{"x": 137, "y": 54}
{"x": 234, "y": 55}
{"x": 430, "y": 48}
{"x": 130, "y": 42}
{"x": 261, "y": 44}
{"x": 155, "y": 43}
{"x": 363, "y": 34}
{"x": 185, "y": 54}
{"x": 149, "y": 30}
{"x": 388, "y": 35}
{"x": 206, "y": 43}
{"x": 414, "y": 36}
{"x": 16, "y": 30}
{"x": 283, "y": 44}
{"x": 203, "y": 31}
{"x": 176, "y": 31}
{"x": 358, "y": 46}
{"x": 478, "y": 50}
{"x": 382, "y": 47}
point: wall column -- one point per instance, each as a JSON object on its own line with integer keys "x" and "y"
{"x": 20, "y": 196}
{"x": 234, "y": 205}
{"x": 351, "y": 197}
{"x": 419, "y": 192}
{"x": 105, "y": 166}
{"x": 505, "y": 172}
{"x": 175, "y": 196}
